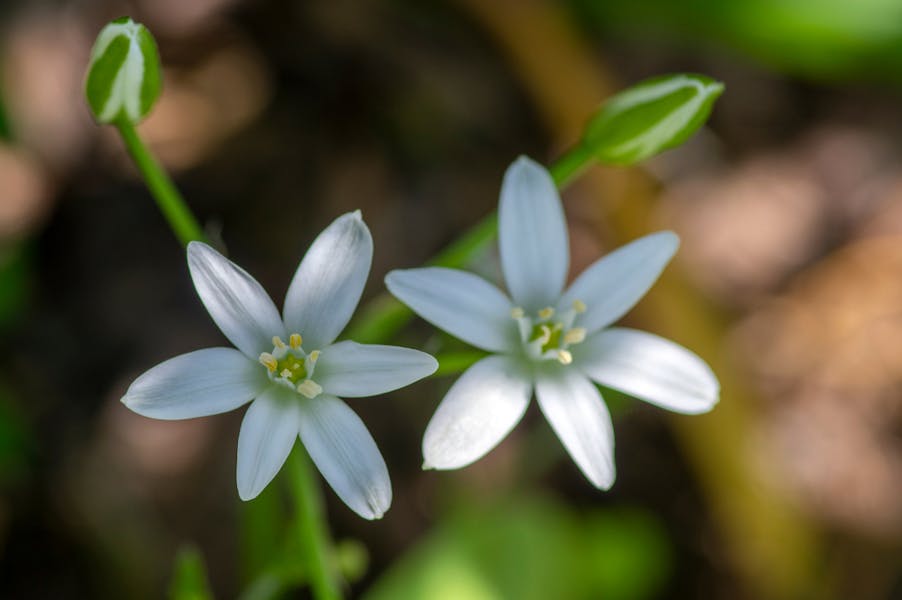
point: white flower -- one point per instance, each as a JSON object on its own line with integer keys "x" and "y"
{"x": 290, "y": 367}
{"x": 547, "y": 339}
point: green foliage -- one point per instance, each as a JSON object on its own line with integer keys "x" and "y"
{"x": 822, "y": 39}
{"x": 123, "y": 80}
{"x": 450, "y": 363}
{"x": 16, "y": 443}
{"x": 15, "y": 280}
{"x": 534, "y": 549}
{"x": 5, "y": 129}
{"x": 189, "y": 579}
{"x": 650, "y": 117}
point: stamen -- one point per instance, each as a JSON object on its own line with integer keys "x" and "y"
{"x": 564, "y": 357}
{"x": 575, "y": 336}
{"x": 517, "y": 313}
{"x": 579, "y": 306}
{"x": 295, "y": 340}
{"x": 314, "y": 356}
{"x": 546, "y": 313}
{"x": 277, "y": 342}
{"x": 309, "y": 389}
{"x": 269, "y": 361}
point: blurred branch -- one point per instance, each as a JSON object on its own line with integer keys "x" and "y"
{"x": 772, "y": 545}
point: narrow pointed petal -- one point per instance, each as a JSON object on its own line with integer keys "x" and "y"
{"x": 197, "y": 384}
{"x": 238, "y": 304}
{"x": 267, "y": 435}
{"x": 355, "y": 370}
{"x": 579, "y": 417}
{"x": 465, "y": 305}
{"x": 616, "y": 282}
{"x": 532, "y": 236}
{"x": 479, "y": 410}
{"x": 650, "y": 368}
{"x": 327, "y": 286}
{"x": 346, "y": 455}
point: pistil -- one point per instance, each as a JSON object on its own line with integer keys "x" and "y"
{"x": 548, "y": 335}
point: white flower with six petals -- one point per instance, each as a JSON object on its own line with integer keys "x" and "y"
{"x": 290, "y": 367}
{"x": 547, "y": 339}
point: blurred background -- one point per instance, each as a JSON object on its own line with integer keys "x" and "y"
{"x": 279, "y": 115}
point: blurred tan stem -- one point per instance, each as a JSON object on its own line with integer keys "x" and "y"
{"x": 772, "y": 545}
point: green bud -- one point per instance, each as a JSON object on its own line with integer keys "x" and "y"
{"x": 650, "y": 117}
{"x": 123, "y": 79}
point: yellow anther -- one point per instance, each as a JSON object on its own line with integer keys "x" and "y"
{"x": 579, "y": 306}
{"x": 517, "y": 313}
{"x": 295, "y": 340}
{"x": 564, "y": 357}
{"x": 269, "y": 361}
{"x": 575, "y": 335}
{"x": 309, "y": 388}
{"x": 277, "y": 342}
{"x": 286, "y": 373}
{"x": 546, "y": 313}
{"x": 314, "y": 356}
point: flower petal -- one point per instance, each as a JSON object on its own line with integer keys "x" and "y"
{"x": 345, "y": 453}
{"x": 616, "y": 282}
{"x": 327, "y": 286}
{"x": 532, "y": 235}
{"x": 354, "y": 370}
{"x": 650, "y": 368}
{"x": 479, "y": 410}
{"x": 196, "y": 384}
{"x": 267, "y": 436}
{"x": 238, "y": 304}
{"x": 579, "y": 417}
{"x": 463, "y": 304}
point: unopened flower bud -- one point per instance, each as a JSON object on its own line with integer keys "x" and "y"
{"x": 123, "y": 79}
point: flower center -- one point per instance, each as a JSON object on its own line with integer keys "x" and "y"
{"x": 290, "y": 366}
{"x": 548, "y": 335}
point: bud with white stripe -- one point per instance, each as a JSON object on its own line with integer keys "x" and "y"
{"x": 123, "y": 79}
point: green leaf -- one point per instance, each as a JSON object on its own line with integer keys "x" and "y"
{"x": 123, "y": 79}
{"x": 650, "y": 117}
{"x": 533, "y": 548}
{"x": 189, "y": 580}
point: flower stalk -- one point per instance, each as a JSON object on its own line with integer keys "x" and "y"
{"x": 314, "y": 537}
{"x": 168, "y": 199}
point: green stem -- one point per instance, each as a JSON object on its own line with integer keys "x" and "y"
{"x": 569, "y": 166}
{"x": 168, "y": 199}
{"x": 313, "y": 535}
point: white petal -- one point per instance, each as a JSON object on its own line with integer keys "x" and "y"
{"x": 650, "y": 368}
{"x": 345, "y": 453}
{"x": 479, "y": 410}
{"x": 616, "y": 282}
{"x": 327, "y": 286}
{"x": 532, "y": 236}
{"x": 354, "y": 370}
{"x": 579, "y": 417}
{"x": 197, "y": 384}
{"x": 238, "y": 304}
{"x": 463, "y": 304}
{"x": 267, "y": 436}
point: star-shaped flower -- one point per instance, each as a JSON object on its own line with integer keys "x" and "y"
{"x": 553, "y": 341}
{"x": 290, "y": 366}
